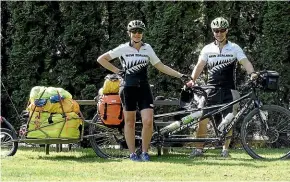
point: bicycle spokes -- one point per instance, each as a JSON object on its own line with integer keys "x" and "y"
{"x": 267, "y": 133}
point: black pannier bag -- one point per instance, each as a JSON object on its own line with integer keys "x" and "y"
{"x": 270, "y": 80}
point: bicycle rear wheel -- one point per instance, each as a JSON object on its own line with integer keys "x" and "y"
{"x": 265, "y": 133}
{"x": 8, "y": 147}
{"x": 108, "y": 142}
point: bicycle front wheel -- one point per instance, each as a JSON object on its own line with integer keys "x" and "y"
{"x": 107, "y": 142}
{"x": 8, "y": 147}
{"x": 265, "y": 133}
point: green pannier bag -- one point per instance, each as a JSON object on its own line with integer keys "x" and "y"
{"x": 46, "y": 125}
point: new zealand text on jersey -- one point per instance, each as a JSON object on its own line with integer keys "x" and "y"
{"x": 220, "y": 55}
{"x": 136, "y": 55}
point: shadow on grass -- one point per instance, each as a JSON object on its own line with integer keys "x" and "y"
{"x": 82, "y": 159}
{"x": 78, "y": 155}
{"x": 211, "y": 157}
{"x": 207, "y": 160}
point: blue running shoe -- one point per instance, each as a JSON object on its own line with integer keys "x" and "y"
{"x": 225, "y": 154}
{"x": 134, "y": 157}
{"x": 145, "y": 157}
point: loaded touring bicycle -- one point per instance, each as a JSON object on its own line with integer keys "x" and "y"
{"x": 53, "y": 117}
{"x": 264, "y": 132}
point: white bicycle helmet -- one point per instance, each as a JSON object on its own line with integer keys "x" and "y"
{"x": 219, "y": 22}
{"x": 136, "y": 24}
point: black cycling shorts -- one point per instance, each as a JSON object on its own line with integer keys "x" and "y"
{"x": 221, "y": 96}
{"x": 136, "y": 96}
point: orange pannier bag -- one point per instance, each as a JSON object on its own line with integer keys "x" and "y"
{"x": 110, "y": 110}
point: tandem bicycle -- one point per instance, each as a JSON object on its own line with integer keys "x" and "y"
{"x": 264, "y": 132}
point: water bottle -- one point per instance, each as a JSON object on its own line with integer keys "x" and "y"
{"x": 191, "y": 117}
{"x": 170, "y": 127}
{"x": 226, "y": 121}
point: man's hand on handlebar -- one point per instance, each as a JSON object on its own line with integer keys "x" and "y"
{"x": 254, "y": 76}
{"x": 252, "y": 80}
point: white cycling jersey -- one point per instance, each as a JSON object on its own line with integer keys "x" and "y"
{"x": 221, "y": 64}
{"x": 135, "y": 62}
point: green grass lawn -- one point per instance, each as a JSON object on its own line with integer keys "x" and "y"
{"x": 31, "y": 164}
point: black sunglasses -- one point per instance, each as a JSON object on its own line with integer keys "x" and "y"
{"x": 134, "y": 31}
{"x": 219, "y": 30}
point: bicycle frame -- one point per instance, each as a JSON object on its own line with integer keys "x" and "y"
{"x": 220, "y": 135}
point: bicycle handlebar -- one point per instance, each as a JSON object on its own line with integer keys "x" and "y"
{"x": 200, "y": 90}
{"x": 255, "y": 83}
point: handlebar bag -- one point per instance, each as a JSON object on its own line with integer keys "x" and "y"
{"x": 270, "y": 80}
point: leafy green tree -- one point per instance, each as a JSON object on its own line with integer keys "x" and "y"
{"x": 81, "y": 41}
{"x": 56, "y": 43}
{"x": 31, "y": 27}
{"x": 172, "y": 32}
{"x": 5, "y": 46}
{"x": 274, "y": 47}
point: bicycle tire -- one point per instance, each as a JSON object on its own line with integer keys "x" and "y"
{"x": 107, "y": 142}
{"x": 262, "y": 143}
{"x": 6, "y": 142}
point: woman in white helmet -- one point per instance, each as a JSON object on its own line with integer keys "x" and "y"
{"x": 220, "y": 57}
{"x": 135, "y": 57}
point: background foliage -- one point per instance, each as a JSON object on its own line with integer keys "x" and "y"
{"x": 57, "y": 43}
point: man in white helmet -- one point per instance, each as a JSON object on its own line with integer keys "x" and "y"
{"x": 220, "y": 57}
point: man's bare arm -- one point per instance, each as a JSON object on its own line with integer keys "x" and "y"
{"x": 247, "y": 65}
{"x": 197, "y": 69}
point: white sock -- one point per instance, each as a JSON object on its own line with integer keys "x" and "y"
{"x": 132, "y": 154}
{"x": 199, "y": 150}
